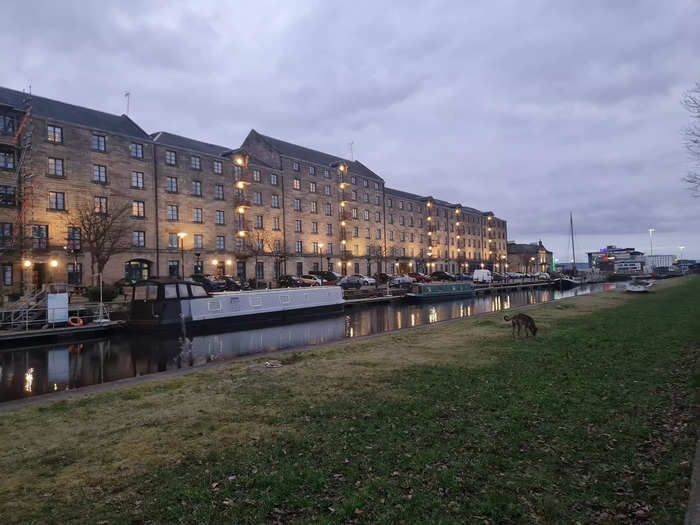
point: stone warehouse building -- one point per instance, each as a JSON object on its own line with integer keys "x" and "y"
{"x": 529, "y": 258}
{"x": 263, "y": 209}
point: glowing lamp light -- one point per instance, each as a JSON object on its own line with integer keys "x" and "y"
{"x": 54, "y": 263}
{"x": 241, "y": 233}
{"x": 342, "y": 223}
{"x": 343, "y": 241}
{"x": 238, "y": 159}
{"x": 27, "y": 263}
{"x": 214, "y": 262}
{"x": 182, "y": 235}
{"x": 240, "y": 185}
{"x": 229, "y": 262}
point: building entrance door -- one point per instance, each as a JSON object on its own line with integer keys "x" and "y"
{"x": 38, "y": 275}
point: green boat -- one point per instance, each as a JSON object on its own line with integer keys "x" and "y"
{"x": 433, "y": 291}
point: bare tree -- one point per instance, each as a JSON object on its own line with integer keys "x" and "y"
{"x": 104, "y": 232}
{"x": 259, "y": 243}
{"x": 691, "y": 102}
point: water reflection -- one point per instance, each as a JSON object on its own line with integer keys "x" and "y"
{"x": 59, "y": 367}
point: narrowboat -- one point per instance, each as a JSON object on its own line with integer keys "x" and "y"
{"x": 167, "y": 304}
{"x": 440, "y": 290}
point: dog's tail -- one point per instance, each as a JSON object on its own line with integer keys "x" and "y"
{"x": 506, "y": 318}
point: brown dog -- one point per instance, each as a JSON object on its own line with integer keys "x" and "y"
{"x": 524, "y": 321}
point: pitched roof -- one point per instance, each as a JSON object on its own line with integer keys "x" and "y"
{"x": 317, "y": 157}
{"x": 71, "y": 114}
{"x": 178, "y": 141}
{"x": 515, "y": 248}
{"x": 404, "y": 194}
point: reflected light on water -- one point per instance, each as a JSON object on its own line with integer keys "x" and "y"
{"x": 432, "y": 315}
{"x": 413, "y": 319}
{"x": 28, "y": 380}
{"x": 399, "y": 324}
{"x": 506, "y": 303}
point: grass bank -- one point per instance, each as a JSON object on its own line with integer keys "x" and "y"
{"x": 594, "y": 421}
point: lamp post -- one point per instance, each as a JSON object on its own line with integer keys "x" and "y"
{"x": 181, "y": 242}
{"x": 681, "y": 248}
{"x": 53, "y": 264}
{"x": 320, "y": 256}
{"x": 651, "y": 241}
{"x": 532, "y": 262}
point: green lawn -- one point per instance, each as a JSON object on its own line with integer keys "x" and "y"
{"x": 592, "y": 421}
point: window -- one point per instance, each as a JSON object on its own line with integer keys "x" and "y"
{"x": 366, "y": 198}
{"x": 7, "y": 125}
{"x": 172, "y": 185}
{"x": 57, "y": 200}
{"x": 197, "y": 215}
{"x": 410, "y": 206}
{"x": 365, "y": 183}
{"x": 74, "y": 237}
{"x": 355, "y": 232}
{"x": 257, "y": 198}
{"x": 296, "y": 184}
{"x": 300, "y": 268}
{"x": 377, "y": 200}
{"x": 410, "y": 220}
{"x": 174, "y": 269}
{"x": 389, "y": 203}
{"x": 329, "y": 248}
{"x": 218, "y": 167}
{"x": 314, "y": 207}
{"x": 365, "y": 214}
{"x": 100, "y": 204}
{"x": 99, "y": 142}
{"x": 327, "y": 189}
{"x": 328, "y": 209}
{"x": 220, "y": 242}
{"x": 402, "y": 236}
{"x": 196, "y": 188}
{"x": 277, "y": 246}
{"x": 314, "y": 227}
{"x": 353, "y": 195}
{"x": 326, "y": 173}
{"x": 275, "y": 201}
{"x": 377, "y": 216}
{"x": 379, "y": 233}
{"x": 173, "y": 240}
{"x": 259, "y": 222}
{"x": 136, "y": 150}
{"x": 401, "y": 220}
{"x": 353, "y": 179}
{"x": 55, "y": 134}
{"x": 312, "y": 170}
{"x": 297, "y": 204}
{"x": 40, "y": 236}
{"x": 99, "y": 174}
{"x": 7, "y": 196}
{"x": 138, "y": 239}
{"x": 367, "y": 234}
{"x": 173, "y": 214}
{"x": 170, "y": 158}
{"x": 314, "y": 247}
{"x": 5, "y": 233}
{"x": 391, "y": 235}
{"x": 276, "y": 223}
{"x": 354, "y": 213}
{"x": 55, "y": 166}
{"x": 329, "y": 229}
{"x": 356, "y": 251}
{"x": 138, "y": 209}
{"x": 198, "y": 241}
{"x": 137, "y": 180}
{"x": 237, "y": 172}
{"x": 298, "y": 247}
{"x": 219, "y": 217}
{"x": 295, "y": 166}
{"x": 273, "y": 179}
{"x": 7, "y": 274}
{"x": 7, "y": 160}
{"x": 195, "y": 162}
{"x": 256, "y": 175}
{"x": 312, "y": 187}
{"x": 297, "y": 226}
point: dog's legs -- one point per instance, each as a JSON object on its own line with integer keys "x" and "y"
{"x": 513, "y": 325}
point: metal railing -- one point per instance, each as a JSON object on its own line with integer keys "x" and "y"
{"x": 44, "y": 317}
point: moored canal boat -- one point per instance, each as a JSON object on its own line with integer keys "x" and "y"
{"x": 167, "y": 304}
{"x": 439, "y": 290}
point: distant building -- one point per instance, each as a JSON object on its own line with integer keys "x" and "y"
{"x": 529, "y": 258}
{"x": 659, "y": 261}
{"x": 614, "y": 259}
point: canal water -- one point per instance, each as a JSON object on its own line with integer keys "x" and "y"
{"x": 38, "y": 370}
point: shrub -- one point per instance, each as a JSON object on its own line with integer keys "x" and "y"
{"x": 108, "y": 293}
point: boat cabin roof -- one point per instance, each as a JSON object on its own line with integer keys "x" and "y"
{"x": 166, "y": 289}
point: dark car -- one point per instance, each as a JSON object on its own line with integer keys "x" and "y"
{"x": 327, "y": 277}
{"x": 463, "y": 277}
{"x": 497, "y": 276}
{"x": 290, "y": 281}
{"x": 442, "y": 276}
{"x": 234, "y": 284}
{"x": 352, "y": 281}
{"x": 420, "y": 277}
{"x": 382, "y": 277}
{"x": 210, "y": 283}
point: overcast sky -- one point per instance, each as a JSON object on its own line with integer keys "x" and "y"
{"x": 529, "y": 109}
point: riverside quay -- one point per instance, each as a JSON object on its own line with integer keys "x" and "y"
{"x": 266, "y": 208}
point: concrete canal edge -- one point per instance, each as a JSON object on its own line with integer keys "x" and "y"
{"x": 692, "y": 515}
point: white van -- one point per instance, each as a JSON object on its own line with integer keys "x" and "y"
{"x": 482, "y": 276}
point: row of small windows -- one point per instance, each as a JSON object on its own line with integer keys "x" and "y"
{"x": 196, "y": 163}
{"x": 98, "y": 142}
{"x": 296, "y": 166}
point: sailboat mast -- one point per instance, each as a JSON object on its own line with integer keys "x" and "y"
{"x": 573, "y": 250}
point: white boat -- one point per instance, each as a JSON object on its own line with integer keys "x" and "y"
{"x": 167, "y": 304}
{"x": 638, "y": 286}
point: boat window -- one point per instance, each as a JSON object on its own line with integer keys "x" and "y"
{"x": 182, "y": 290}
{"x": 198, "y": 291}
{"x": 170, "y": 291}
{"x": 146, "y": 293}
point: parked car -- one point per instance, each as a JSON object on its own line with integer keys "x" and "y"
{"x": 311, "y": 280}
{"x": 210, "y": 282}
{"x": 498, "y": 276}
{"x": 420, "y": 277}
{"x": 482, "y": 276}
{"x": 402, "y": 280}
{"x": 234, "y": 283}
{"x": 366, "y": 280}
{"x": 514, "y": 275}
{"x": 543, "y": 276}
{"x": 290, "y": 281}
{"x": 351, "y": 281}
{"x": 442, "y": 276}
{"x": 382, "y": 277}
{"x": 327, "y": 277}
{"x": 463, "y": 277}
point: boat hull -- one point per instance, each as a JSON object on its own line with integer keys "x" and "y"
{"x": 439, "y": 291}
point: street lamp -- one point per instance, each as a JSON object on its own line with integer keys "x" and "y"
{"x": 53, "y": 263}
{"x": 681, "y": 248}
{"x": 181, "y": 237}
{"x": 651, "y": 241}
{"x": 320, "y": 256}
